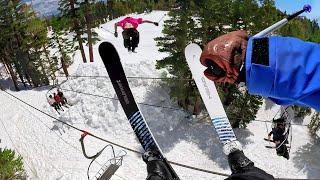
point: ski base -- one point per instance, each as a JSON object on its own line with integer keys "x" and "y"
{"x": 112, "y": 62}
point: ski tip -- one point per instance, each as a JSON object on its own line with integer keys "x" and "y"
{"x": 108, "y": 52}
{"x": 105, "y": 45}
{"x": 193, "y": 47}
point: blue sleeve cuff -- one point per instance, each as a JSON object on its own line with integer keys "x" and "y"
{"x": 259, "y": 77}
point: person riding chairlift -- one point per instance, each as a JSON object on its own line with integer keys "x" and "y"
{"x": 53, "y": 103}
{"x": 279, "y": 137}
{"x": 62, "y": 98}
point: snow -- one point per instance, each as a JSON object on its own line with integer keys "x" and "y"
{"x": 52, "y": 150}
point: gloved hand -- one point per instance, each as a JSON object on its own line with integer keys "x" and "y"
{"x": 224, "y": 56}
{"x": 155, "y": 23}
{"x": 115, "y": 34}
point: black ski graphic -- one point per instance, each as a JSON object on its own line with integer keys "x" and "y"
{"x": 111, "y": 60}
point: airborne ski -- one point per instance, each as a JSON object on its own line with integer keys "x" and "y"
{"x": 111, "y": 60}
{"x": 211, "y": 99}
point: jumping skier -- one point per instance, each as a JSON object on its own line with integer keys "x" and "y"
{"x": 130, "y": 33}
{"x": 241, "y": 167}
{"x": 284, "y": 69}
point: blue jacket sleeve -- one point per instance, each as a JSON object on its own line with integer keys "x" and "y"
{"x": 291, "y": 75}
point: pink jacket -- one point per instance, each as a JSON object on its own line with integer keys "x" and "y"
{"x": 51, "y": 101}
{"x": 135, "y": 22}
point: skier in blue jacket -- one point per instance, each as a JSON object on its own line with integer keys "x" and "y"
{"x": 284, "y": 69}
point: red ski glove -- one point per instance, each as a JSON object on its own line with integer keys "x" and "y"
{"x": 224, "y": 56}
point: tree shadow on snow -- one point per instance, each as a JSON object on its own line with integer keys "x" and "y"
{"x": 307, "y": 159}
{"x": 177, "y": 128}
{"x": 7, "y": 84}
{"x": 298, "y": 120}
{"x": 243, "y": 136}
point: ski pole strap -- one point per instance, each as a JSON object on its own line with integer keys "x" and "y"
{"x": 279, "y": 24}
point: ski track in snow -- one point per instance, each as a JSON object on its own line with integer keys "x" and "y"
{"x": 52, "y": 151}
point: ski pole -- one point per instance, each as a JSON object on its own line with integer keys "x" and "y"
{"x": 218, "y": 71}
{"x": 162, "y": 18}
{"x": 229, "y": 142}
{"x": 279, "y": 24}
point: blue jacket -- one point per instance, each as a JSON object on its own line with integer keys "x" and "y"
{"x": 287, "y": 70}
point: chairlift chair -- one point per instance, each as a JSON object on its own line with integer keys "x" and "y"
{"x": 108, "y": 169}
{"x": 286, "y": 120}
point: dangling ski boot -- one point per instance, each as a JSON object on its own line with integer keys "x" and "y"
{"x": 156, "y": 168}
{"x": 238, "y": 161}
{"x": 283, "y": 151}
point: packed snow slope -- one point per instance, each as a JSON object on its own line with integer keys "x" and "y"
{"x": 52, "y": 151}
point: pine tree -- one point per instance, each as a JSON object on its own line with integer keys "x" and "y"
{"x": 15, "y": 14}
{"x": 59, "y": 40}
{"x": 243, "y": 109}
{"x": 11, "y": 167}
{"x": 88, "y": 21}
{"x": 178, "y": 32}
{"x": 100, "y": 12}
{"x": 37, "y": 41}
{"x": 215, "y": 18}
{"x": 16, "y": 48}
{"x": 201, "y": 21}
{"x": 5, "y": 36}
{"x": 268, "y": 14}
{"x": 314, "y": 125}
{"x": 86, "y": 12}
{"x": 70, "y": 9}
{"x": 301, "y": 112}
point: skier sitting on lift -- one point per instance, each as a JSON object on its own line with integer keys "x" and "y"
{"x": 130, "y": 34}
{"x": 63, "y": 99}
{"x": 53, "y": 103}
{"x": 284, "y": 69}
{"x": 279, "y": 138}
{"x": 58, "y": 100}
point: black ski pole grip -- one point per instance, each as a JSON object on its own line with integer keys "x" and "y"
{"x": 306, "y": 8}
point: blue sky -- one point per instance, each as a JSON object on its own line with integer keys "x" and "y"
{"x": 294, "y": 5}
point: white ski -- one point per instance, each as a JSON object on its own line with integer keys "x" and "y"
{"x": 211, "y": 99}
